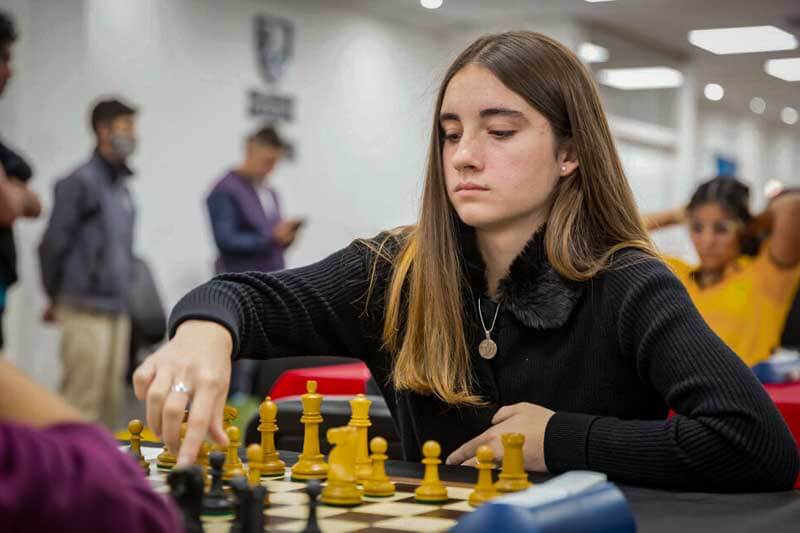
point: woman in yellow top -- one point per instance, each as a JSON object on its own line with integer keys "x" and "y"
{"x": 749, "y": 266}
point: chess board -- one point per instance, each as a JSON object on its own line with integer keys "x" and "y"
{"x": 288, "y": 507}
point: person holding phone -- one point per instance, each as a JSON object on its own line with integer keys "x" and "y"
{"x": 249, "y": 229}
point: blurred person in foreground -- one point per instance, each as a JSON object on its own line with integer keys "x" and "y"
{"x": 60, "y": 472}
{"x": 17, "y": 200}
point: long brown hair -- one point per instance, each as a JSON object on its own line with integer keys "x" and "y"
{"x": 592, "y": 215}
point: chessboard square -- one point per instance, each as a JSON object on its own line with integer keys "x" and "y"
{"x": 396, "y": 508}
{"x": 301, "y": 511}
{"x": 393, "y": 498}
{"x": 288, "y": 498}
{"x": 358, "y": 516}
{"x": 286, "y": 475}
{"x": 324, "y": 511}
{"x": 151, "y": 453}
{"x": 448, "y": 501}
{"x": 405, "y": 487}
{"x": 459, "y": 506}
{"x": 147, "y": 452}
{"x": 217, "y": 527}
{"x": 407, "y": 499}
{"x": 459, "y": 493}
{"x": 334, "y": 525}
{"x": 284, "y": 525}
{"x": 416, "y": 523}
{"x": 443, "y": 513}
{"x": 282, "y": 486}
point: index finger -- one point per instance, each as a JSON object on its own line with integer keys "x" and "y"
{"x": 197, "y": 426}
{"x": 467, "y": 450}
{"x": 142, "y": 378}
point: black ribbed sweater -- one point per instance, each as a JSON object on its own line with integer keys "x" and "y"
{"x": 610, "y": 356}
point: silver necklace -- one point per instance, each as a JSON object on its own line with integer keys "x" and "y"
{"x": 487, "y": 348}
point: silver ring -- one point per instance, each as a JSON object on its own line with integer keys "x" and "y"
{"x": 180, "y": 387}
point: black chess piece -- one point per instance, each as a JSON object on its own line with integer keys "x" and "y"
{"x": 313, "y": 489}
{"x": 242, "y": 497}
{"x": 216, "y": 502}
{"x": 249, "y": 507}
{"x": 186, "y": 488}
{"x": 257, "y": 509}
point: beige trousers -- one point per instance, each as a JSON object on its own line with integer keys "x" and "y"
{"x": 94, "y": 355}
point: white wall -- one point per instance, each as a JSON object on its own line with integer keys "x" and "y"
{"x": 763, "y": 149}
{"x": 363, "y": 88}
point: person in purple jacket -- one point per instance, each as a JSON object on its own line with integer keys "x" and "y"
{"x": 249, "y": 231}
{"x": 58, "y": 472}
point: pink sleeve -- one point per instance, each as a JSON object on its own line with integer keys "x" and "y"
{"x": 72, "y": 477}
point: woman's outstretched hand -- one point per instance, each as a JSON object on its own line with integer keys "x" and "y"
{"x": 195, "y": 366}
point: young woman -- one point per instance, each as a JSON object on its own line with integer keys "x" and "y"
{"x": 749, "y": 267}
{"x": 526, "y": 298}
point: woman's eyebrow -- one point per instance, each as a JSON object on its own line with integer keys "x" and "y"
{"x": 449, "y": 116}
{"x": 502, "y": 111}
{"x": 486, "y": 113}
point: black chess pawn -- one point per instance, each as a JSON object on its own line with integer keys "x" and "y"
{"x": 186, "y": 488}
{"x": 313, "y": 489}
{"x": 242, "y": 497}
{"x": 257, "y": 508}
{"x": 249, "y": 506}
{"x": 216, "y": 502}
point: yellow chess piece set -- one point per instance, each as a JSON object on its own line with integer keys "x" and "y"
{"x": 349, "y": 462}
{"x": 356, "y": 469}
{"x": 355, "y": 466}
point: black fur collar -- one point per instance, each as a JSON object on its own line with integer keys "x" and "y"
{"x": 533, "y": 291}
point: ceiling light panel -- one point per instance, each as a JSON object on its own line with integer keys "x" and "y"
{"x": 641, "y": 78}
{"x": 744, "y": 40}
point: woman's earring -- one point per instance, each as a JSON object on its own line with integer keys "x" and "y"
{"x": 563, "y": 168}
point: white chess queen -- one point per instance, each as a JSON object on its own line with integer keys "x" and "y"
{"x": 526, "y": 298}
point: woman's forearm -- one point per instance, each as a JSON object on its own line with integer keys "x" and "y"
{"x": 661, "y": 219}
{"x": 783, "y": 216}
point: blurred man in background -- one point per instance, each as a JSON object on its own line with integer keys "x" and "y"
{"x": 245, "y": 213}
{"x": 16, "y": 199}
{"x": 249, "y": 230}
{"x": 86, "y": 257}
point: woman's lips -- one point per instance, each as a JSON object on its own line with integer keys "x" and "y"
{"x": 466, "y": 186}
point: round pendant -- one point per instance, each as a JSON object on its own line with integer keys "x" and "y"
{"x": 487, "y": 348}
